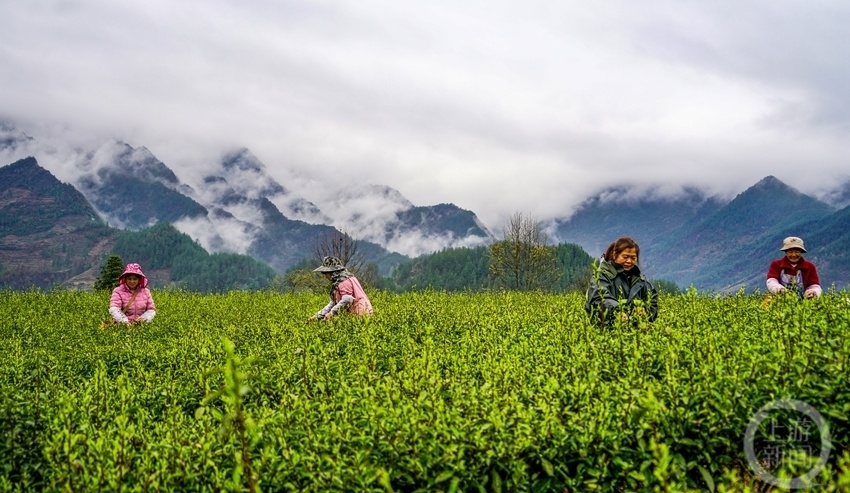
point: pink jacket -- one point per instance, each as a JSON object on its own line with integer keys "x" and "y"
{"x": 348, "y": 295}
{"x": 143, "y": 306}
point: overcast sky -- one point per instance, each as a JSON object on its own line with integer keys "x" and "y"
{"x": 495, "y": 106}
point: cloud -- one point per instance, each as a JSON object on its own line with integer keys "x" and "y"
{"x": 219, "y": 233}
{"x": 414, "y": 243}
{"x": 497, "y": 107}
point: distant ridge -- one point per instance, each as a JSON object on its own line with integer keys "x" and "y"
{"x": 647, "y": 216}
{"x": 48, "y": 231}
{"x": 691, "y": 239}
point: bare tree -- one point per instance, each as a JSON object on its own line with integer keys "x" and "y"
{"x": 341, "y": 245}
{"x": 523, "y": 260}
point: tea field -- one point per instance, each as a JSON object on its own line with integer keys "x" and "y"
{"x": 434, "y": 392}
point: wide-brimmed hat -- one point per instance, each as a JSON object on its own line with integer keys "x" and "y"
{"x": 134, "y": 269}
{"x": 793, "y": 242}
{"x": 330, "y": 264}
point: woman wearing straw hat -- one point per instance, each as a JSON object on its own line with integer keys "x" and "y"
{"x": 793, "y": 272}
{"x": 131, "y": 301}
{"x": 347, "y": 295}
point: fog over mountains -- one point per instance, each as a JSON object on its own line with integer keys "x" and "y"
{"x": 234, "y": 205}
{"x": 229, "y": 207}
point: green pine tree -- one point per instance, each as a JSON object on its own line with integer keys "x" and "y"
{"x": 109, "y": 273}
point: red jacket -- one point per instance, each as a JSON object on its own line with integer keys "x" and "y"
{"x": 783, "y": 271}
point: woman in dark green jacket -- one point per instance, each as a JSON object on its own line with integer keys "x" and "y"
{"x": 618, "y": 289}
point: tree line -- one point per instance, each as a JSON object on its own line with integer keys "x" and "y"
{"x": 179, "y": 261}
{"x": 521, "y": 260}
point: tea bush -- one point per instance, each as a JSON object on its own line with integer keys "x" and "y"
{"x": 434, "y": 392}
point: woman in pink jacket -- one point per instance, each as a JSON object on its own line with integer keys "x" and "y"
{"x": 347, "y": 294}
{"x": 131, "y": 301}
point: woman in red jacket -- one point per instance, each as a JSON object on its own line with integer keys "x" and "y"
{"x": 346, "y": 293}
{"x": 793, "y": 272}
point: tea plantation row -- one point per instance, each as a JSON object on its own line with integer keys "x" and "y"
{"x": 434, "y": 392}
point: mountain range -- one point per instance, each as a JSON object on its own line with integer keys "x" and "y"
{"x": 711, "y": 243}
{"x": 240, "y": 208}
{"x": 689, "y": 238}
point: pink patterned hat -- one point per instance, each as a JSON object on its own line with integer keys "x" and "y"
{"x": 135, "y": 269}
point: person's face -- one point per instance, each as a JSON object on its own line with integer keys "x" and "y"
{"x": 627, "y": 258}
{"x": 794, "y": 255}
{"x": 132, "y": 281}
{"x": 327, "y": 275}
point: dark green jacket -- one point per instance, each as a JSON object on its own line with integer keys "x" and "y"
{"x": 614, "y": 286}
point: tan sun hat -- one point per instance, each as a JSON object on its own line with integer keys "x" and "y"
{"x": 330, "y": 264}
{"x": 793, "y": 242}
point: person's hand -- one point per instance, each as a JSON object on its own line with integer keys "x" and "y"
{"x": 640, "y": 311}
{"x": 329, "y": 316}
{"x": 809, "y": 294}
{"x": 313, "y": 318}
{"x": 624, "y": 317}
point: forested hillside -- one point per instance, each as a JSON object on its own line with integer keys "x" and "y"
{"x": 466, "y": 269}
{"x": 48, "y": 231}
{"x": 174, "y": 258}
{"x": 51, "y": 236}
